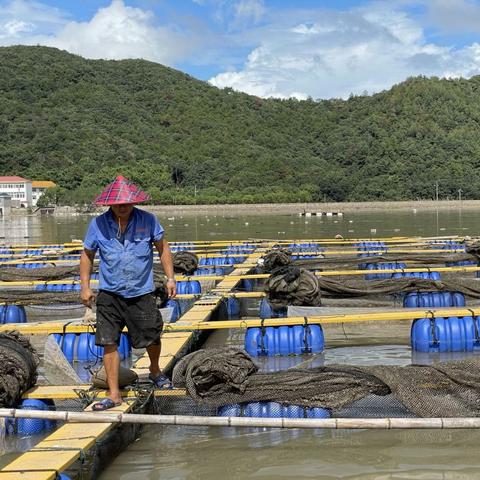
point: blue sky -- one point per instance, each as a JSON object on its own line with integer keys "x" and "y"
{"x": 302, "y": 48}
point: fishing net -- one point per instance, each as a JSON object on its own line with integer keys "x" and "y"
{"x": 276, "y": 258}
{"x": 292, "y": 286}
{"x": 42, "y": 273}
{"x": 225, "y": 376}
{"x": 18, "y": 371}
{"x": 185, "y": 262}
{"x": 412, "y": 258}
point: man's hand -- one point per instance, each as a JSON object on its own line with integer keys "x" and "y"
{"x": 171, "y": 287}
{"x": 87, "y": 296}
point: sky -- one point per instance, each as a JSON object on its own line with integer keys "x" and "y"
{"x": 269, "y": 48}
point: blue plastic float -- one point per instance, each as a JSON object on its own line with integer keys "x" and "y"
{"x": 425, "y": 275}
{"x": 266, "y": 310}
{"x": 271, "y": 410}
{"x": 284, "y": 340}
{"x": 31, "y": 426}
{"x": 189, "y": 287}
{"x": 81, "y": 346}
{"x": 12, "y": 314}
{"x": 434, "y": 299}
{"x": 381, "y": 266}
{"x": 176, "y": 311}
{"x": 445, "y": 334}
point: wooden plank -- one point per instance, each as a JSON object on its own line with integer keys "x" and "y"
{"x": 69, "y": 392}
{"x": 22, "y": 475}
{"x": 61, "y": 448}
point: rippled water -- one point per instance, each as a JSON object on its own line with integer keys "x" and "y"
{"x": 216, "y": 453}
{"x": 59, "y": 229}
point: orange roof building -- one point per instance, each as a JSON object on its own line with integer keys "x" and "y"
{"x": 44, "y": 184}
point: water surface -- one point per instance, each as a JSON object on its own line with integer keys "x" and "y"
{"x": 215, "y": 453}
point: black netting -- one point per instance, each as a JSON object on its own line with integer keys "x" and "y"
{"x": 219, "y": 377}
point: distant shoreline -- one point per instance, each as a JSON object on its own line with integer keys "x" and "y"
{"x": 292, "y": 208}
{"x": 297, "y": 208}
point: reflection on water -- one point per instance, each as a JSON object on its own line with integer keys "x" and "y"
{"x": 60, "y": 229}
{"x": 210, "y": 453}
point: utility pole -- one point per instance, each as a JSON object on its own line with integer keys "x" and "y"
{"x": 460, "y": 194}
{"x": 436, "y": 190}
{"x": 195, "y": 193}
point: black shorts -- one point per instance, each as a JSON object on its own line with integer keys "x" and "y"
{"x": 139, "y": 314}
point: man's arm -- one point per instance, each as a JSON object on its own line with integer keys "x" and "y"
{"x": 86, "y": 266}
{"x": 167, "y": 263}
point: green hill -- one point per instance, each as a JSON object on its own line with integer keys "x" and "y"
{"x": 80, "y": 122}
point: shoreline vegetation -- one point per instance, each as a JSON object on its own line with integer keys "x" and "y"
{"x": 187, "y": 142}
{"x": 297, "y": 208}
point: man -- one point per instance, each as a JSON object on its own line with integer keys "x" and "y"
{"x": 124, "y": 236}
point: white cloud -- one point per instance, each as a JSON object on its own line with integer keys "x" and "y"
{"x": 332, "y": 54}
{"x": 114, "y": 32}
{"x": 454, "y": 15}
{"x": 13, "y": 28}
{"x": 250, "y": 10}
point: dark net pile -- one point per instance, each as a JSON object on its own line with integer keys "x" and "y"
{"x": 413, "y": 259}
{"x": 185, "y": 262}
{"x": 18, "y": 370}
{"x": 228, "y": 376}
{"x": 291, "y": 285}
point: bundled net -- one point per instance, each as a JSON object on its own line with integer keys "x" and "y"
{"x": 185, "y": 262}
{"x": 279, "y": 257}
{"x": 18, "y": 371}
{"x": 291, "y": 285}
{"x": 225, "y": 376}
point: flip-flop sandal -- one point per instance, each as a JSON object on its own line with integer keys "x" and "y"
{"x": 161, "y": 381}
{"x": 105, "y": 404}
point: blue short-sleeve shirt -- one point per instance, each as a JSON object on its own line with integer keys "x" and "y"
{"x": 125, "y": 268}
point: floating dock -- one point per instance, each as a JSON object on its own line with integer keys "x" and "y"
{"x": 59, "y": 451}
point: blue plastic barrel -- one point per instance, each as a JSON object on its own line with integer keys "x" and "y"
{"x": 445, "y": 334}
{"x": 125, "y": 347}
{"x": 271, "y": 410}
{"x": 284, "y": 340}
{"x": 266, "y": 310}
{"x": 233, "y": 308}
{"x": 463, "y": 263}
{"x": 31, "y": 426}
{"x": 433, "y": 299}
{"x": 12, "y": 314}
{"x": 189, "y": 287}
{"x": 81, "y": 346}
{"x": 173, "y": 304}
{"x": 425, "y": 275}
{"x": 381, "y": 266}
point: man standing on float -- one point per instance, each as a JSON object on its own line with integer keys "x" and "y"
{"x": 124, "y": 236}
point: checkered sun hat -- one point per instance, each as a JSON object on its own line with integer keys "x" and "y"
{"x": 120, "y": 191}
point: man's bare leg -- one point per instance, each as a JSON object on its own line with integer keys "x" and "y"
{"x": 154, "y": 355}
{"x": 111, "y": 361}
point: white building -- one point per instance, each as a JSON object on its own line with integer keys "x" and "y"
{"x": 18, "y": 189}
{"x": 38, "y": 189}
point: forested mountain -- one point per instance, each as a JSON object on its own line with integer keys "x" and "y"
{"x": 80, "y": 122}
